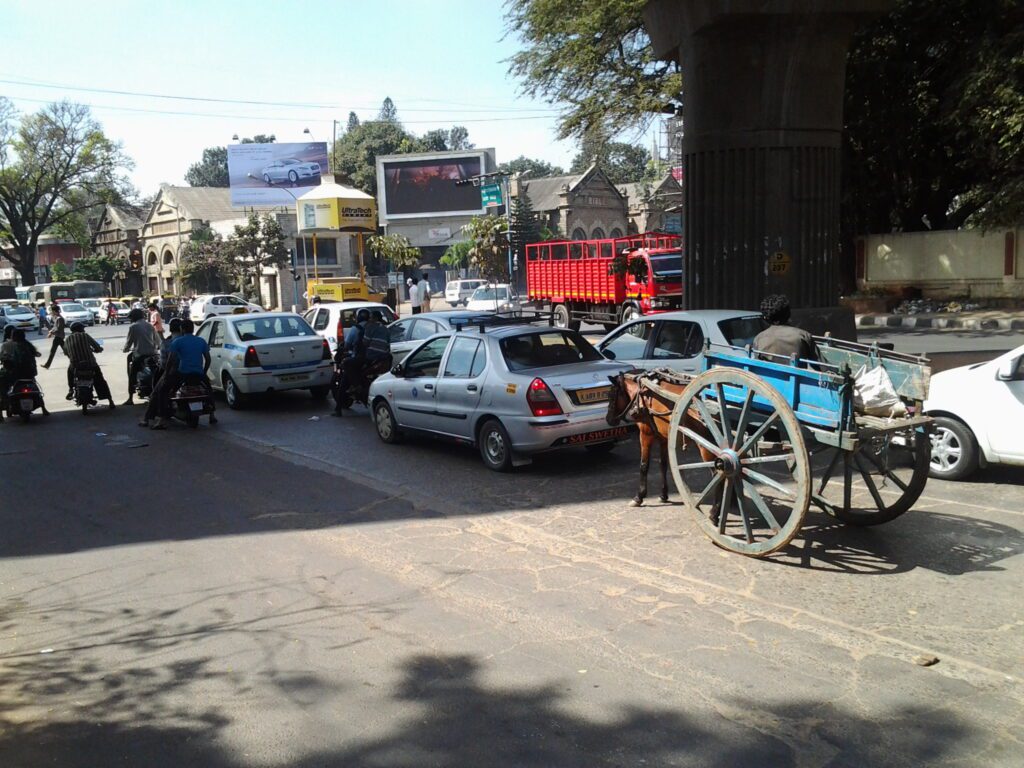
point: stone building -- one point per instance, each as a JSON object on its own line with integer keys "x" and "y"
{"x": 116, "y": 234}
{"x": 653, "y": 206}
{"x": 584, "y": 206}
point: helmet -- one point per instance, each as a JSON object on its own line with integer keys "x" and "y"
{"x": 77, "y": 327}
{"x": 362, "y": 315}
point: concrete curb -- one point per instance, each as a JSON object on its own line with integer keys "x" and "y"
{"x": 950, "y": 321}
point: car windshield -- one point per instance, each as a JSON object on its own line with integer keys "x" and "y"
{"x": 65, "y": 307}
{"x": 667, "y": 264}
{"x": 91, "y": 302}
{"x": 740, "y": 331}
{"x": 258, "y": 329}
{"x": 19, "y": 311}
{"x": 542, "y": 350}
{"x": 290, "y": 161}
{"x": 489, "y": 293}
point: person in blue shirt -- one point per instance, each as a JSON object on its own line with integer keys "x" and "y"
{"x": 366, "y": 350}
{"x": 189, "y": 358}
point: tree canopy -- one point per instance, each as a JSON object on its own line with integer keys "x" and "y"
{"x": 55, "y": 164}
{"x": 536, "y": 168}
{"x": 622, "y": 163}
{"x": 212, "y": 168}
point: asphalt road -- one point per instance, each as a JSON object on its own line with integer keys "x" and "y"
{"x": 283, "y": 589}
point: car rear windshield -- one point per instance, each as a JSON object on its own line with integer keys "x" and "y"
{"x": 740, "y": 331}
{"x": 542, "y": 350}
{"x": 272, "y": 328}
{"x": 489, "y": 294}
{"x": 19, "y": 311}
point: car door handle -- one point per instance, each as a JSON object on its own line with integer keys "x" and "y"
{"x": 428, "y": 387}
{"x": 471, "y": 387}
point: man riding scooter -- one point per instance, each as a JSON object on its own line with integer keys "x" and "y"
{"x": 366, "y": 352}
{"x": 80, "y": 348}
{"x": 17, "y": 363}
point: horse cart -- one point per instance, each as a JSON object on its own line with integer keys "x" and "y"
{"x": 776, "y": 435}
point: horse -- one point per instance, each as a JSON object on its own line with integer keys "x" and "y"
{"x": 629, "y": 400}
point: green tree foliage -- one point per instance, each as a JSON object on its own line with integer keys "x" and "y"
{"x": 394, "y": 249}
{"x": 61, "y": 272}
{"x": 206, "y": 262}
{"x": 536, "y": 168}
{"x": 99, "y": 267}
{"x": 935, "y": 118}
{"x": 353, "y": 121}
{"x": 441, "y": 140}
{"x": 212, "y": 168}
{"x": 388, "y": 111}
{"x": 594, "y": 59}
{"x": 622, "y": 163}
{"x": 524, "y": 227}
{"x": 488, "y": 254}
{"x": 255, "y": 246}
{"x": 457, "y": 255}
{"x": 54, "y": 165}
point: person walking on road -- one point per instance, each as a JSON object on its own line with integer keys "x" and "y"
{"x": 424, "y": 294}
{"x": 415, "y": 298}
{"x": 156, "y": 319}
{"x": 44, "y": 322}
{"x": 142, "y": 342}
{"x": 57, "y": 333}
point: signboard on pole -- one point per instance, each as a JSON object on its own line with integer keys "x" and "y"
{"x": 490, "y": 195}
{"x": 274, "y": 174}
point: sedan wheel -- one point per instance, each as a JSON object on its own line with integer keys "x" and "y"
{"x": 495, "y": 446}
{"x": 236, "y": 399}
{"x": 954, "y": 450}
{"x": 384, "y": 421}
{"x": 266, "y": 178}
{"x": 293, "y": 176}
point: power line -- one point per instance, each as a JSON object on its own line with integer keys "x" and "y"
{"x": 247, "y": 102}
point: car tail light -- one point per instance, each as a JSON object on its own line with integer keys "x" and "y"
{"x": 541, "y": 399}
{"x": 340, "y": 333}
{"x": 327, "y": 350}
{"x": 26, "y": 391}
{"x": 252, "y": 360}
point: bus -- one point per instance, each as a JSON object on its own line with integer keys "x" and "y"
{"x": 51, "y": 292}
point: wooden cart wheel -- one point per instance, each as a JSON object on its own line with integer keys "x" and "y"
{"x": 878, "y": 481}
{"x": 753, "y": 493}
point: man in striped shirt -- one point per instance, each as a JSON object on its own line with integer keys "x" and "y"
{"x": 80, "y": 347}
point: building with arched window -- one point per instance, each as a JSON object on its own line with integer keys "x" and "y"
{"x": 654, "y": 205}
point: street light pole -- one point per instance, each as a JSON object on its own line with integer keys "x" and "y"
{"x": 298, "y": 227}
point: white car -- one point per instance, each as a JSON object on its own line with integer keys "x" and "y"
{"x": 290, "y": 169}
{"x": 331, "y": 318}
{"x": 978, "y": 411}
{"x": 74, "y": 312}
{"x": 457, "y": 292}
{"x": 208, "y": 305}
{"x": 407, "y": 334}
{"x": 266, "y": 352}
{"x": 493, "y": 298}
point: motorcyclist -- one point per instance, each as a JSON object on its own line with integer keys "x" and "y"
{"x": 367, "y": 347}
{"x": 142, "y": 343}
{"x": 17, "y": 362}
{"x": 189, "y": 357}
{"x": 80, "y": 348}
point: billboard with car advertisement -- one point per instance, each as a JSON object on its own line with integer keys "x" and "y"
{"x": 265, "y": 174}
{"x": 410, "y": 186}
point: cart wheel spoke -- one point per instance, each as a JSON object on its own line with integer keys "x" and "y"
{"x": 723, "y": 415}
{"x": 757, "y": 435}
{"x": 709, "y": 422}
{"x": 723, "y": 506}
{"x": 886, "y": 471}
{"x": 709, "y": 488}
{"x": 741, "y": 425}
{"x": 743, "y": 514}
{"x": 879, "y": 503}
{"x": 700, "y": 440}
{"x": 767, "y": 459}
{"x": 765, "y": 480}
{"x": 698, "y": 465}
{"x": 828, "y": 472}
{"x": 762, "y": 506}
{"x": 847, "y": 481}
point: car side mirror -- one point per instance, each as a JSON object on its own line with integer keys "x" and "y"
{"x": 608, "y": 353}
{"x": 398, "y": 370}
{"x": 1008, "y": 370}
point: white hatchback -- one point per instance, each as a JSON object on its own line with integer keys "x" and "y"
{"x": 330, "y": 319}
{"x": 457, "y": 292}
{"x": 208, "y": 305}
{"x": 266, "y": 352}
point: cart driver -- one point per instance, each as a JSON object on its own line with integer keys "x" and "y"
{"x": 780, "y": 338}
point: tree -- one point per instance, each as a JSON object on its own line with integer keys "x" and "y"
{"x": 457, "y": 255}
{"x": 257, "y": 245}
{"x": 458, "y": 139}
{"x": 353, "y": 121}
{"x": 358, "y": 149}
{"x": 53, "y": 165}
{"x": 622, "y": 163}
{"x": 489, "y": 251}
{"x": 394, "y": 249}
{"x": 594, "y": 59}
{"x": 524, "y": 228}
{"x": 388, "y": 111}
{"x": 61, "y": 272}
{"x": 99, "y": 267}
{"x": 536, "y": 168}
{"x": 212, "y": 169}
{"x": 206, "y": 264}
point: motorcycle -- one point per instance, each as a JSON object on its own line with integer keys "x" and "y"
{"x": 23, "y": 397}
{"x": 147, "y": 377}
{"x": 359, "y": 390}
{"x": 84, "y": 392}
{"x": 191, "y": 401}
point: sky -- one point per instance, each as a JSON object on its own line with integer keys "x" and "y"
{"x": 441, "y": 61}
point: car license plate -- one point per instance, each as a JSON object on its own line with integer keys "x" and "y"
{"x": 195, "y": 406}
{"x": 613, "y": 433}
{"x": 295, "y": 377}
{"x": 594, "y": 395}
{"x": 27, "y": 404}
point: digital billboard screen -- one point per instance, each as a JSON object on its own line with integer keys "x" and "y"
{"x": 426, "y": 186}
{"x": 274, "y": 174}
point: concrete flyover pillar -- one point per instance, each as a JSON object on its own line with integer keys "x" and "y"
{"x": 762, "y": 119}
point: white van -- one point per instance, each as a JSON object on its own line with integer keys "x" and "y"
{"x": 457, "y": 292}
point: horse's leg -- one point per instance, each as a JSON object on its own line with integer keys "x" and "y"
{"x": 663, "y": 447}
{"x": 645, "y": 463}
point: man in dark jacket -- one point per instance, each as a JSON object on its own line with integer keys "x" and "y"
{"x": 780, "y": 339}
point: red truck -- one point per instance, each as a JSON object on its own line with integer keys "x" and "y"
{"x": 580, "y": 281}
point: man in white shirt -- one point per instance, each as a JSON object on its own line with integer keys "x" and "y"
{"x": 415, "y": 298}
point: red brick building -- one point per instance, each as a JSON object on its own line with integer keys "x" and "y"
{"x": 50, "y": 251}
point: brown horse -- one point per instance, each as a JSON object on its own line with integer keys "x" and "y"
{"x": 629, "y": 400}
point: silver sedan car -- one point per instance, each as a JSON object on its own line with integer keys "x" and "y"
{"x": 290, "y": 169}
{"x": 410, "y": 332}
{"x": 511, "y": 390}
{"x": 676, "y": 340}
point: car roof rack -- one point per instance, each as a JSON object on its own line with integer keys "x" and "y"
{"x": 499, "y": 320}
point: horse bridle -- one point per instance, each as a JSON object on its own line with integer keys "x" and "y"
{"x": 631, "y": 404}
